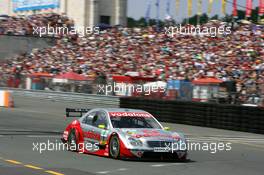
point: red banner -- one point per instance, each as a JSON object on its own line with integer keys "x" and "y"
{"x": 261, "y": 7}
{"x": 235, "y": 8}
{"x": 249, "y": 8}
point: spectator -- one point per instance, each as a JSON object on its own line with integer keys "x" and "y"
{"x": 238, "y": 56}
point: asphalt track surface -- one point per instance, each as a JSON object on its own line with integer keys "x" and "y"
{"x": 39, "y": 121}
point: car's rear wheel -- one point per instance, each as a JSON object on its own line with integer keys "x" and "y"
{"x": 72, "y": 141}
{"x": 114, "y": 147}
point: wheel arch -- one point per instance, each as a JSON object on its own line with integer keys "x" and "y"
{"x": 124, "y": 151}
{"x": 75, "y": 125}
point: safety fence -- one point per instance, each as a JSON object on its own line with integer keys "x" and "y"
{"x": 231, "y": 117}
{"x": 88, "y": 99}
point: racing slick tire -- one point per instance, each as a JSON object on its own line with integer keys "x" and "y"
{"x": 114, "y": 147}
{"x": 72, "y": 141}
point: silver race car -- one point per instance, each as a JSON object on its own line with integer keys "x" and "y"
{"x": 122, "y": 133}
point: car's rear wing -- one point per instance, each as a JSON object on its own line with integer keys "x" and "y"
{"x": 72, "y": 112}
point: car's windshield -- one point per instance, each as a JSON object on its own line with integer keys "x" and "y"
{"x": 134, "y": 122}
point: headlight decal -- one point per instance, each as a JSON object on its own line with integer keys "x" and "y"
{"x": 135, "y": 142}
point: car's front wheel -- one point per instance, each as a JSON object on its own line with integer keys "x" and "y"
{"x": 114, "y": 147}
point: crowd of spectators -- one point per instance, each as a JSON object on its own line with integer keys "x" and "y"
{"x": 238, "y": 56}
{"x": 24, "y": 25}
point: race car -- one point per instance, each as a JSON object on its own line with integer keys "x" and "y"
{"x": 122, "y": 133}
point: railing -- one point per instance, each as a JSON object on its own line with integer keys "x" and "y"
{"x": 89, "y": 99}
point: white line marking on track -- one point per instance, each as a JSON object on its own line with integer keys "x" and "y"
{"x": 158, "y": 165}
{"x": 103, "y": 172}
{"x": 122, "y": 169}
{"x": 107, "y": 172}
{"x": 168, "y": 164}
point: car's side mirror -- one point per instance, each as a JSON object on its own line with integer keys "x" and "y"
{"x": 167, "y": 128}
{"x": 102, "y": 126}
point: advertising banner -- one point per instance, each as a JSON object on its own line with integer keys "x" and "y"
{"x": 26, "y": 5}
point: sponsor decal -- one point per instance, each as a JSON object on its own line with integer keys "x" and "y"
{"x": 152, "y": 133}
{"x": 92, "y": 135}
{"x": 130, "y": 114}
{"x": 156, "y": 135}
